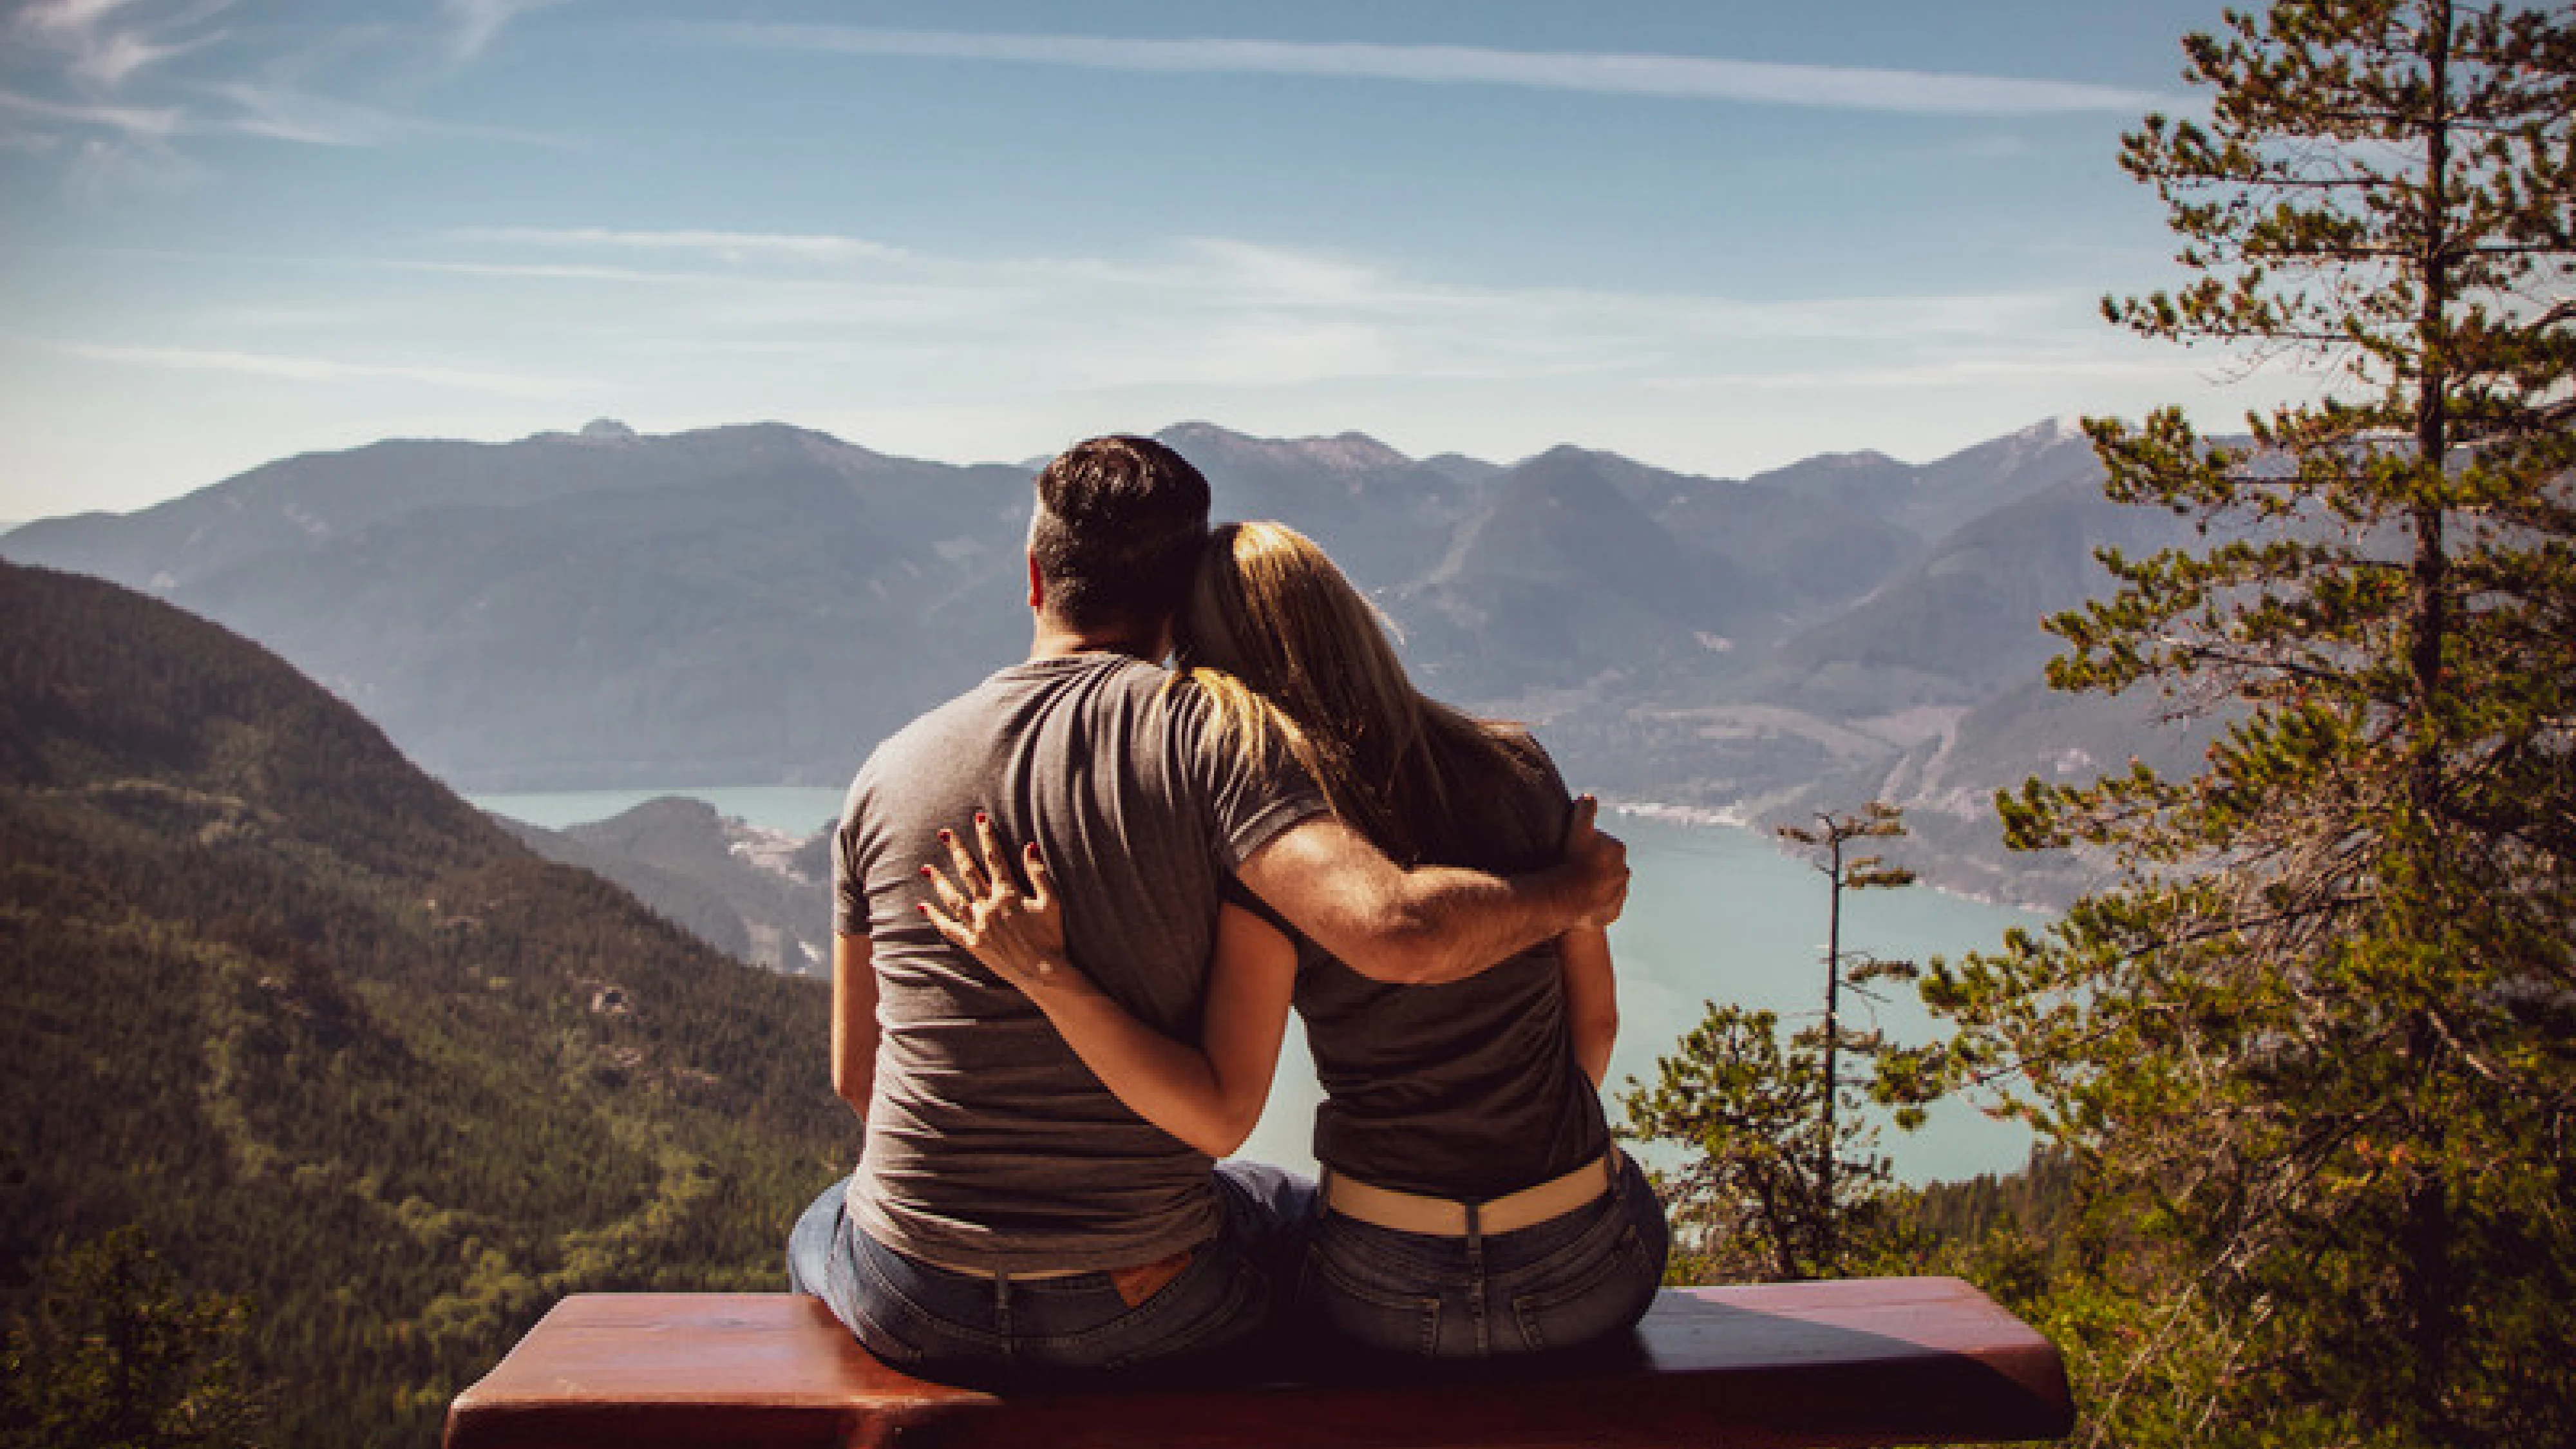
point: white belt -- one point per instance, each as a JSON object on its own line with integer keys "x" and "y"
{"x": 1440, "y": 1217}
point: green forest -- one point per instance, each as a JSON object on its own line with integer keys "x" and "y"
{"x": 320, "y": 1087}
{"x": 2305, "y": 1067}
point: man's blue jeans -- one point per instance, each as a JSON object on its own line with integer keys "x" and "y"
{"x": 992, "y": 1328}
{"x": 1564, "y": 1282}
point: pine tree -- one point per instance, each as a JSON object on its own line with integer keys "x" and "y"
{"x": 119, "y": 1354}
{"x": 2317, "y": 1046}
{"x": 1824, "y": 844}
{"x": 1784, "y": 1178}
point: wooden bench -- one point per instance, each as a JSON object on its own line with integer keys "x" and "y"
{"x": 1855, "y": 1362}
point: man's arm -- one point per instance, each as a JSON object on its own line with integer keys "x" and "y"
{"x": 1432, "y": 923}
{"x": 854, "y": 1022}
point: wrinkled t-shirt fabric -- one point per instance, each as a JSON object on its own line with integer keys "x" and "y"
{"x": 1470, "y": 1089}
{"x": 989, "y": 1144}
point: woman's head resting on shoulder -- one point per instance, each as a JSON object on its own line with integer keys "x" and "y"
{"x": 1269, "y": 608}
{"x": 1290, "y": 652}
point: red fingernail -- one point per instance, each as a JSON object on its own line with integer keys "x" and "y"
{"x": 927, "y": 872}
{"x": 983, "y": 819}
{"x": 945, "y": 836}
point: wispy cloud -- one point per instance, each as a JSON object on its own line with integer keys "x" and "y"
{"x": 1947, "y": 372}
{"x": 321, "y": 369}
{"x": 285, "y": 113}
{"x": 67, "y": 17}
{"x": 96, "y": 82}
{"x": 146, "y": 122}
{"x": 1224, "y": 283}
{"x": 728, "y": 245}
{"x": 555, "y": 272}
{"x": 1214, "y": 311}
{"x": 277, "y": 110}
{"x": 121, "y": 54}
{"x": 1671, "y": 76}
{"x": 106, "y": 42}
{"x": 478, "y": 21}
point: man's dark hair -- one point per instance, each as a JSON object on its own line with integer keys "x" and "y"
{"x": 1120, "y": 522}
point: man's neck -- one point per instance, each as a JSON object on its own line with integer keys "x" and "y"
{"x": 1055, "y": 639}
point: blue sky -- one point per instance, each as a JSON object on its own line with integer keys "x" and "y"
{"x": 1713, "y": 236}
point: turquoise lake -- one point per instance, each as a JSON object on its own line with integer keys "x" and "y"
{"x": 1714, "y": 914}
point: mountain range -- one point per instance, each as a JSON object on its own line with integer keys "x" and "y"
{"x": 762, "y": 603}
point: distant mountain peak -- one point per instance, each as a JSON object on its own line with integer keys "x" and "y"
{"x": 1343, "y": 452}
{"x": 2061, "y": 428}
{"x": 1862, "y": 458}
{"x": 606, "y": 430}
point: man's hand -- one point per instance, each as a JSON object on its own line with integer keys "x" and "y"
{"x": 1600, "y": 865}
{"x": 1432, "y": 923}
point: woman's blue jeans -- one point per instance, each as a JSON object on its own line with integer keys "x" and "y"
{"x": 993, "y": 1328}
{"x": 1564, "y": 1282}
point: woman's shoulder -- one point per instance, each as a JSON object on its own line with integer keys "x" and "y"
{"x": 1505, "y": 805}
{"x": 1519, "y": 751}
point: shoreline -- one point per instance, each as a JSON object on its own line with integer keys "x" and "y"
{"x": 1736, "y": 817}
{"x": 1732, "y": 816}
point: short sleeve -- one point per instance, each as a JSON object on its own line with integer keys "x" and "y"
{"x": 849, "y": 863}
{"x": 1235, "y": 893}
{"x": 1254, "y": 801}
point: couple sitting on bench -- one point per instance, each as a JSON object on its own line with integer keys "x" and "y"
{"x": 1048, "y": 1071}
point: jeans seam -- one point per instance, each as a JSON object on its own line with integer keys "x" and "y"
{"x": 888, "y": 1300}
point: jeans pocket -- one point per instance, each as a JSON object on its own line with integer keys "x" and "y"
{"x": 1370, "y": 1312}
{"x": 1599, "y": 1283}
{"x": 888, "y": 1323}
{"x": 1211, "y": 1306}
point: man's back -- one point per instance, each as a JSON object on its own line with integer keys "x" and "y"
{"x": 989, "y": 1145}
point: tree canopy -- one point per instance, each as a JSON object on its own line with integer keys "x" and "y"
{"x": 2317, "y": 1045}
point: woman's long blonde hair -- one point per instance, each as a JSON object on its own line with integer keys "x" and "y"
{"x": 1295, "y": 659}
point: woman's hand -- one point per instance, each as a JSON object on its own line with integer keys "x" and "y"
{"x": 1018, "y": 935}
{"x": 1207, "y": 1095}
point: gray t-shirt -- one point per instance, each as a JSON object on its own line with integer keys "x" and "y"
{"x": 989, "y": 1144}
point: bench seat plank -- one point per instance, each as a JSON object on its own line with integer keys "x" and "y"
{"x": 1851, "y": 1362}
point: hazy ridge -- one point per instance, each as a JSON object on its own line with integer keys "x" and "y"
{"x": 762, "y": 603}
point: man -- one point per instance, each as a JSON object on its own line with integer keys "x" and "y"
{"x": 1008, "y": 1214}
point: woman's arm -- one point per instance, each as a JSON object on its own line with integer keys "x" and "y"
{"x": 854, "y": 1022}
{"x": 1208, "y": 1096}
{"x": 1591, "y": 998}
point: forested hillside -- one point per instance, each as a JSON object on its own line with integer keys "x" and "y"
{"x": 334, "y": 1041}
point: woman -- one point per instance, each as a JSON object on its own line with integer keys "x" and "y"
{"x": 1473, "y": 1203}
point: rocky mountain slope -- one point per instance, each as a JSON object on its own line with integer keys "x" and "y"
{"x": 754, "y": 894}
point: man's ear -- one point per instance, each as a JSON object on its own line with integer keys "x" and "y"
{"x": 1037, "y": 585}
